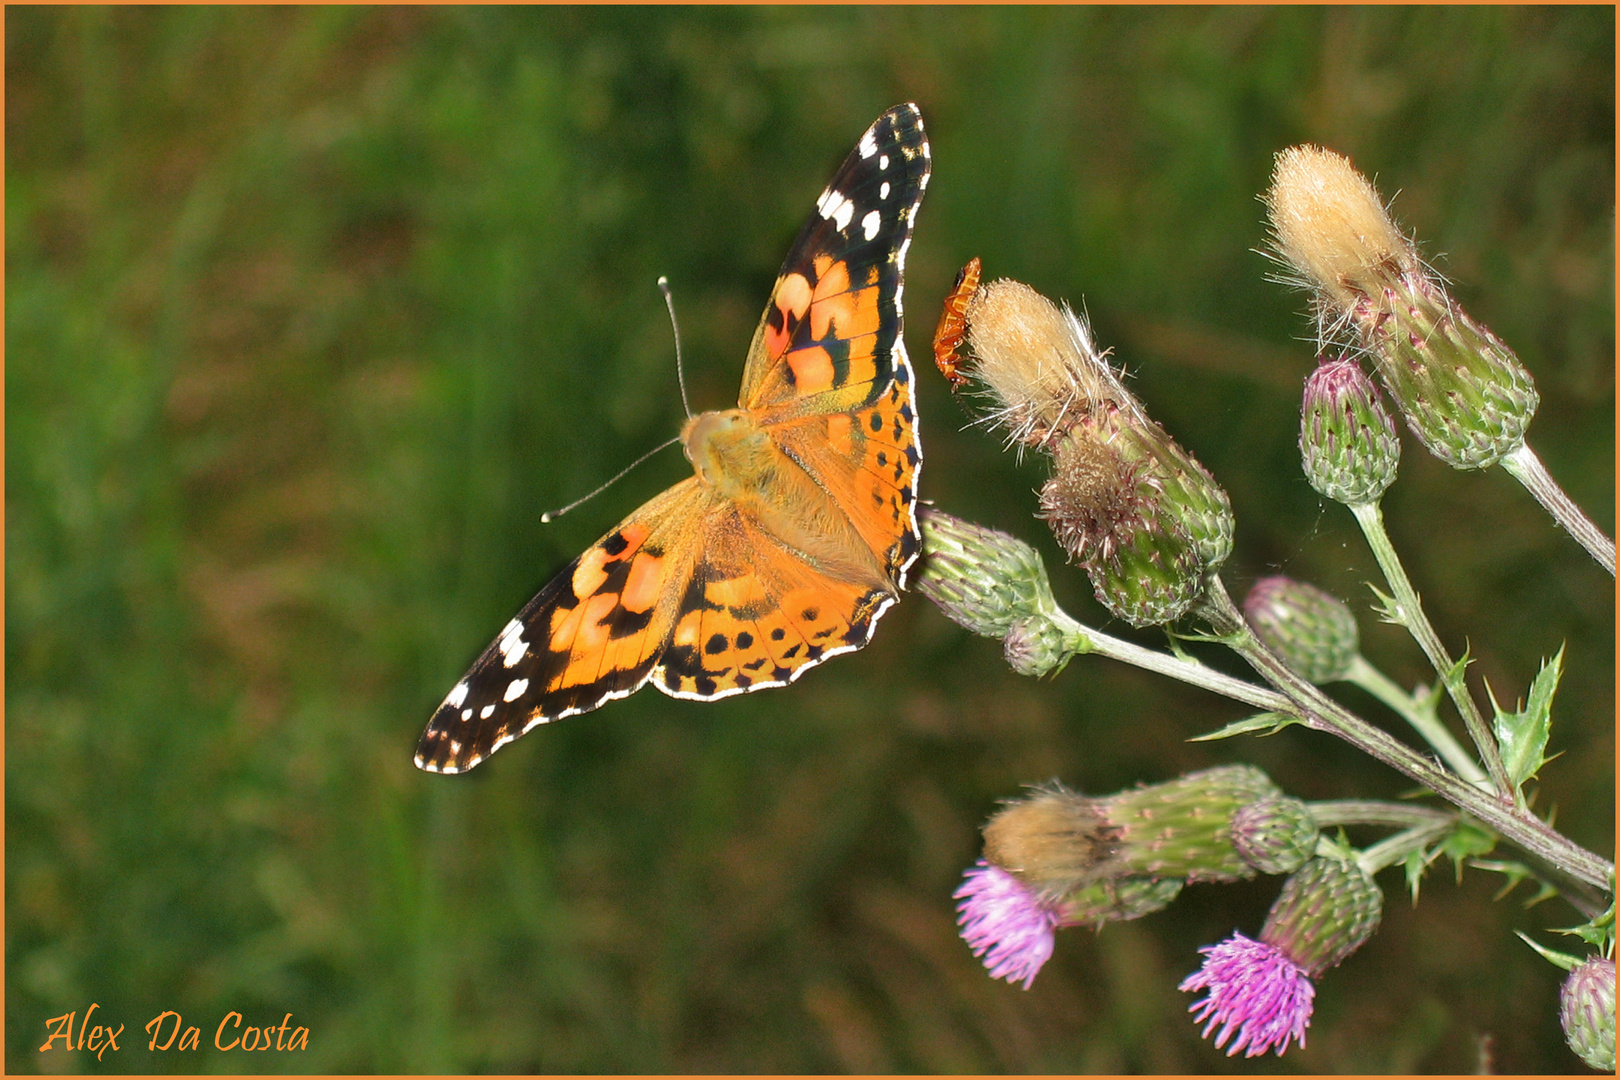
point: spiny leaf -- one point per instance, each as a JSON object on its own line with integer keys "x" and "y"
{"x": 1553, "y": 956}
{"x": 1416, "y": 864}
{"x": 1266, "y": 723}
{"x": 1386, "y": 608}
{"x": 1599, "y": 933}
{"x": 1523, "y": 735}
{"x": 1466, "y": 841}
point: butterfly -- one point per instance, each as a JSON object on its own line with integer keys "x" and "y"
{"x": 794, "y": 533}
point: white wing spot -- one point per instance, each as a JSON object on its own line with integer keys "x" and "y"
{"x": 868, "y": 145}
{"x": 457, "y": 696}
{"x": 883, "y": 192}
{"x": 466, "y": 714}
{"x": 832, "y": 205}
{"x": 512, "y": 646}
{"x": 515, "y": 689}
{"x": 486, "y": 712}
{"x": 846, "y": 211}
{"x": 883, "y": 161}
{"x": 870, "y": 223}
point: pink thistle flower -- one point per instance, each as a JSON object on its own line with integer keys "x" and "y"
{"x": 1255, "y": 992}
{"x": 1005, "y": 923}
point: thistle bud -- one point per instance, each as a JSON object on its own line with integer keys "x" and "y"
{"x": 1118, "y": 900}
{"x": 1141, "y": 515}
{"x": 1275, "y": 835}
{"x": 1184, "y": 828}
{"x": 1055, "y": 841}
{"x": 1346, "y": 438}
{"x": 1035, "y": 646}
{"x": 1586, "y": 1009}
{"x": 1312, "y": 630}
{"x": 983, "y": 579}
{"x": 1325, "y": 912}
{"x": 1059, "y": 842}
{"x": 1464, "y": 393}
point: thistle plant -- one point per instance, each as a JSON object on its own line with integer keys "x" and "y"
{"x": 1151, "y": 528}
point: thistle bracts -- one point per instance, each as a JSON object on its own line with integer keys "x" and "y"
{"x": 1275, "y": 834}
{"x": 1312, "y": 630}
{"x": 1464, "y": 393}
{"x": 1058, "y": 842}
{"x": 983, "y": 579}
{"x": 1326, "y": 910}
{"x": 1586, "y": 1010}
{"x": 1346, "y": 439}
{"x": 1144, "y": 519}
{"x": 1117, "y": 900}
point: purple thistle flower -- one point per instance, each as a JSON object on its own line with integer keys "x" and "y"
{"x": 1005, "y": 923}
{"x": 1256, "y": 992}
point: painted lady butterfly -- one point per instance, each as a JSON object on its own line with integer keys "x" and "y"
{"x": 794, "y": 535}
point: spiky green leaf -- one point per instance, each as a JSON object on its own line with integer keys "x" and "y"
{"x": 1523, "y": 735}
{"x": 1553, "y": 956}
{"x": 1266, "y": 723}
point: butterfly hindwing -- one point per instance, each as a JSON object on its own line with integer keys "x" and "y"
{"x": 875, "y": 448}
{"x": 755, "y": 615}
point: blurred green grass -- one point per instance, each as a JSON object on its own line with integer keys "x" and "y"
{"x": 312, "y": 311}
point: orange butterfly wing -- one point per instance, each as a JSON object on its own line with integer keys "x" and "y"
{"x": 697, "y": 593}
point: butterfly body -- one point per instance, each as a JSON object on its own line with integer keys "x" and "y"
{"x": 793, "y": 534}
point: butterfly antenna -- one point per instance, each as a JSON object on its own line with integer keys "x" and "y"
{"x": 680, "y": 370}
{"x": 552, "y": 515}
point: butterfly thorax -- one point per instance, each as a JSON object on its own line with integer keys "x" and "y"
{"x": 736, "y": 459}
{"x": 730, "y": 452}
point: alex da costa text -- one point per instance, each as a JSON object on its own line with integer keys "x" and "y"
{"x": 169, "y": 1031}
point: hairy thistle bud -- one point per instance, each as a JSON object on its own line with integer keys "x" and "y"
{"x": 983, "y": 579}
{"x": 1059, "y": 842}
{"x": 1586, "y": 1009}
{"x": 1325, "y": 912}
{"x": 1464, "y": 393}
{"x": 1312, "y": 630}
{"x": 1275, "y": 835}
{"x": 1055, "y": 841}
{"x": 1141, "y": 515}
{"x": 1346, "y": 438}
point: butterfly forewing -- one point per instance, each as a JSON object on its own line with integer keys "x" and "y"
{"x": 594, "y": 633}
{"x": 832, "y": 326}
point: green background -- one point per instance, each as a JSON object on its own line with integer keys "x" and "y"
{"x": 310, "y": 313}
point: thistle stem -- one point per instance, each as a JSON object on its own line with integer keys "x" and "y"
{"x": 1319, "y": 711}
{"x": 1409, "y": 611}
{"x": 1525, "y": 467}
{"x": 1423, "y": 719}
{"x": 1392, "y": 850}
{"x": 1375, "y": 812}
{"x": 1080, "y": 639}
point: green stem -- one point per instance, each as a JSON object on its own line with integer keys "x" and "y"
{"x": 1409, "y": 610}
{"x": 1525, "y": 467}
{"x": 1423, "y": 720}
{"x": 1319, "y": 711}
{"x": 1080, "y": 639}
{"x": 1375, "y": 812}
{"x": 1394, "y": 849}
